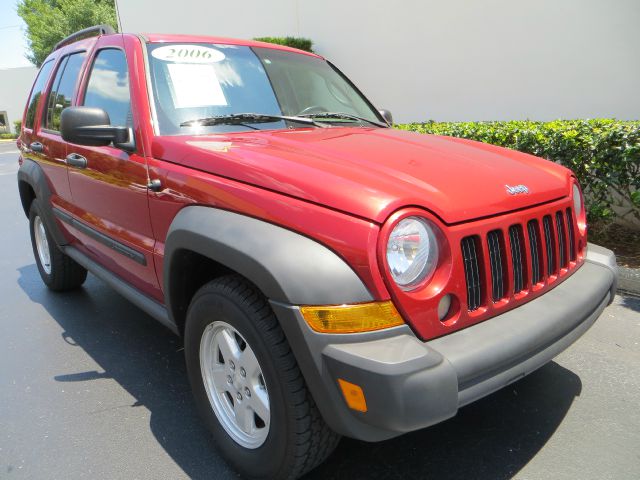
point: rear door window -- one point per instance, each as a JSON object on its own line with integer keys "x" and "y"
{"x": 36, "y": 93}
{"x": 62, "y": 90}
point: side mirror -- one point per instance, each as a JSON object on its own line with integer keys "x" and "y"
{"x": 90, "y": 126}
{"x": 386, "y": 114}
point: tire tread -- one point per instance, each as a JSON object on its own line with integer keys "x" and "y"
{"x": 314, "y": 441}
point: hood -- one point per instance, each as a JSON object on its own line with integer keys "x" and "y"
{"x": 371, "y": 172}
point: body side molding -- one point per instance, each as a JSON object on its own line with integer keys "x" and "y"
{"x": 106, "y": 240}
{"x": 286, "y": 266}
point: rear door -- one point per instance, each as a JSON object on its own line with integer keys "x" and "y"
{"x": 109, "y": 184}
{"x": 45, "y": 143}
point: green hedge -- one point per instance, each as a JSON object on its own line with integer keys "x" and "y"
{"x": 8, "y": 136}
{"x": 294, "y": 42}
{"x": 603, "y": 153}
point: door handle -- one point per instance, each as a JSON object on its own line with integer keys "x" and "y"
{"x": 76, "y": 160}
{"x": 36, "y": 147}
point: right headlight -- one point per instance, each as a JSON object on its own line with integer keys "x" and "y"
{"x": 578, "y": 204}
{"x": 412, "y": 252}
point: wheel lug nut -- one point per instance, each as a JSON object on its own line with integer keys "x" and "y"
{"x": 247, "y": 392}
{"x": 243, "y": 372}
{"x": 239, "y": 396}
{"x": 231, "y": 365}
{"x": 229, "y": 379}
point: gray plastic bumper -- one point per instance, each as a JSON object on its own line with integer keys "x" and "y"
{"x": 410, "y": 384}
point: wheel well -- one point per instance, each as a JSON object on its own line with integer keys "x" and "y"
{"x": 27, "y": 195}
{"x": 189, "y": 272}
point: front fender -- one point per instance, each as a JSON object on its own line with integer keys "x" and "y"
{"x": 287, "y": 267}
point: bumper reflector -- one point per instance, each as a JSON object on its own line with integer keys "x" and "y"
{"x": 362, "y": 317}
{"x": 353, "y": 395}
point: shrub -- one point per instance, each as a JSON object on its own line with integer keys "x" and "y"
{"x": 603, "y": 153}
{"x": 17, "y": 126}
{"x": 8, "y": 136}
{"x": 294, "y": 42}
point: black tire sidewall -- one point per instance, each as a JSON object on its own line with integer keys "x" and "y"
{"x": 35, "y": 211}
{"x": 271, "y": 457}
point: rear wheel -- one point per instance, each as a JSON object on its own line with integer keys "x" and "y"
{"x": 58, "y": 271}
{"x": 248, "y": 386}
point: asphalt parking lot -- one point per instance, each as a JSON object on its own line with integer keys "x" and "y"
{"x": 91, "y": 387}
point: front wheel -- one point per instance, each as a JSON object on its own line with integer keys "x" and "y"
{"x": 248, "y": 386}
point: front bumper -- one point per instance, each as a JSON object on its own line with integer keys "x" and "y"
{"x": 410, "y": 384}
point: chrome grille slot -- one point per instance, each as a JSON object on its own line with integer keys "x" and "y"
{"x": 472, "y": 272}
{"x": 550, "y": 245}
{"x": 518, "y": 257}
{"x": 536, "y": 252}
{"x": 495, "y": 243}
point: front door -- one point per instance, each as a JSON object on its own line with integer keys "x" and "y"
{"x": 109, "y": 184}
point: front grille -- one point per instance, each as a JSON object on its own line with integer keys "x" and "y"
{"x": 561, "y": 239}
{"x": 536, "y": 251}
{"x": 494, "y": 242}
{"x": 572, "y": 244}
{"x": 529, "y": 244}
{"x": 550, "y": 245}
{"x": 472, "y": 272}
{"x": 517, "y": 257}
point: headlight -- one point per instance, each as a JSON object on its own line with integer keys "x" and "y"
{"x": 412, "y": 252}
{"x": 577, "y": 200}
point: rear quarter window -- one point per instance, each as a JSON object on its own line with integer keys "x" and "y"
{"x": 36, "y": 93}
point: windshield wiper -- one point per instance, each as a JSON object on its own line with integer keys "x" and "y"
{"x": 342, "y": 115}
{"x": 245, "y": 118}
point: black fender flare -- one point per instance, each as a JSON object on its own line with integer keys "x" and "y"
{"x": 286, "y": 266}
{"x": 30, "y": 173}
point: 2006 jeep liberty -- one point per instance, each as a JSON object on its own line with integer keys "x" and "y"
{"x": 329, "y": 275}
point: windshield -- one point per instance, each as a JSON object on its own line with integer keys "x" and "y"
{"x": 194, "y": 82}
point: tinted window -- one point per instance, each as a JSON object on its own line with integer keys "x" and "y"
{"x": 36, "y": 93}
{"x": 64, "y": 85}
{"x": 108, "y": 86}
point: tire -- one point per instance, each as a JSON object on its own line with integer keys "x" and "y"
{"x": 233, "y": 311}
{"x": 58, "y": 271}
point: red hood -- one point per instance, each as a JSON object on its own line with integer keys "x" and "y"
{"x": 371, "y": 172}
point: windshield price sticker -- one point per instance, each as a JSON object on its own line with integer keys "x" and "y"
{"x": 188, "y": 54}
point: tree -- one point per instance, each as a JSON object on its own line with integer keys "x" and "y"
{"x": 49, "y": 21}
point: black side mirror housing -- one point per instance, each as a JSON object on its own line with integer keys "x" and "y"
{"x": 386, "y": 114}
{"x": 90, "y": 126}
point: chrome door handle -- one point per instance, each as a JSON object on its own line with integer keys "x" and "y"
{"x": 36, "y": 147}
{"x": 75, "y": 160}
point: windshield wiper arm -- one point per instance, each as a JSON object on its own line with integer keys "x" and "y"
{"x": 346, "y": 116}
{"x": 244, "y": 118}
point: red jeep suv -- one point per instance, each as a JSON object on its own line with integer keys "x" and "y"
{"x": 329, "y": 275}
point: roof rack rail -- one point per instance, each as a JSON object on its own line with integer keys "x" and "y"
{"x": 94, "y": 31}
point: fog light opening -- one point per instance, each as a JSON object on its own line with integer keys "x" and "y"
{"x": 444, "y": 307}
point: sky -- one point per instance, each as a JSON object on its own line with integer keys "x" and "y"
{"x": 13, "y": 45}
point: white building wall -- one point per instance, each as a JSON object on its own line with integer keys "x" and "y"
{"x": 445, "y": 60}
{"x": 15, "y": 85}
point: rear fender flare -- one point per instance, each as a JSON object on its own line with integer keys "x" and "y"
{"x": 31, "y": 173}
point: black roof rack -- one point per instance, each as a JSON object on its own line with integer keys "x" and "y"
{"x": 94, "y": 31}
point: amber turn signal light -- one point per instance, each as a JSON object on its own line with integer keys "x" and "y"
{"x": 353, "y": 395}
{"x": 361, "y": 317}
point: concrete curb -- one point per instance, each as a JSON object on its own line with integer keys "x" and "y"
{"x": 629, "y": 280}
